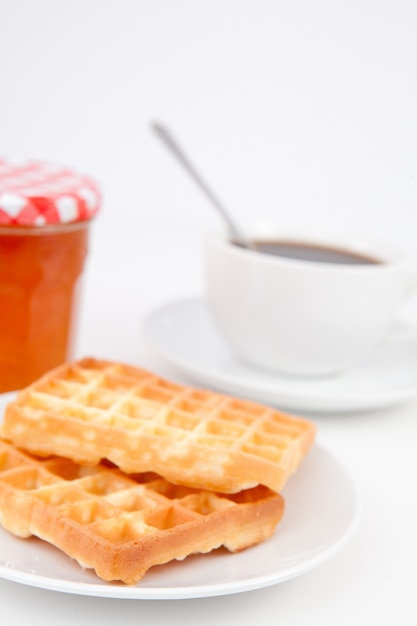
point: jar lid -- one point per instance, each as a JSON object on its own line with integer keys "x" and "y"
{"x": 36, "y": 193}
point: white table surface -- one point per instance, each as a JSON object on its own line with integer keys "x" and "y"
{"x": 371, "y": 580}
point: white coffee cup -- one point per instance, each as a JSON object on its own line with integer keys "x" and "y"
{"x": 303, "y": 317}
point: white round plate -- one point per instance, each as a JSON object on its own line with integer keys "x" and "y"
{"x": 182, "y": 333}
{"x": 322, "y": 512}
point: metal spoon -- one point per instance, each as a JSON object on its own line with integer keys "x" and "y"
{"x": 235, "y": 232}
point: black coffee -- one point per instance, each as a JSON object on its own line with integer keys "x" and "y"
{"x": 311, "y": 252}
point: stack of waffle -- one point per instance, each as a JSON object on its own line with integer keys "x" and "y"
{"x": 123, "y": 470}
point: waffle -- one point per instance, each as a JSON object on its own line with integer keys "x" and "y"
{"x": 93, "y": 409}
{"x": 121, "y": 525}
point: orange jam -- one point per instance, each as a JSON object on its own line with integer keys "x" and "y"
{"x": 40, "y": 274}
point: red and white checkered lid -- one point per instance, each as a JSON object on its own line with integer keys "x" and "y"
{"x": 36, "y": 193}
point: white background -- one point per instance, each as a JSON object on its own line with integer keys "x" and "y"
{"x": 292, "y": 108}
{"x": 295, "y": 110}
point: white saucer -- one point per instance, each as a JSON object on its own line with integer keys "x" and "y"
{"x": 182, "y": 333}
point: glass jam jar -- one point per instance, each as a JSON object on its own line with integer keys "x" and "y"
{"x": 45, "y": 216}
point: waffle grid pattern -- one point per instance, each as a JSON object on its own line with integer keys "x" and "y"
{"x": 142, "y": 422}
{"x": 121, "y": 525}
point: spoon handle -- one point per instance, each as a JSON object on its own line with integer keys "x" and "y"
{"x": 175, "y": 149}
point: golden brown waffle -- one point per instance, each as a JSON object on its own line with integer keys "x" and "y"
{"x": 92, "y": 410}
{"x": 122, "y": 525}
